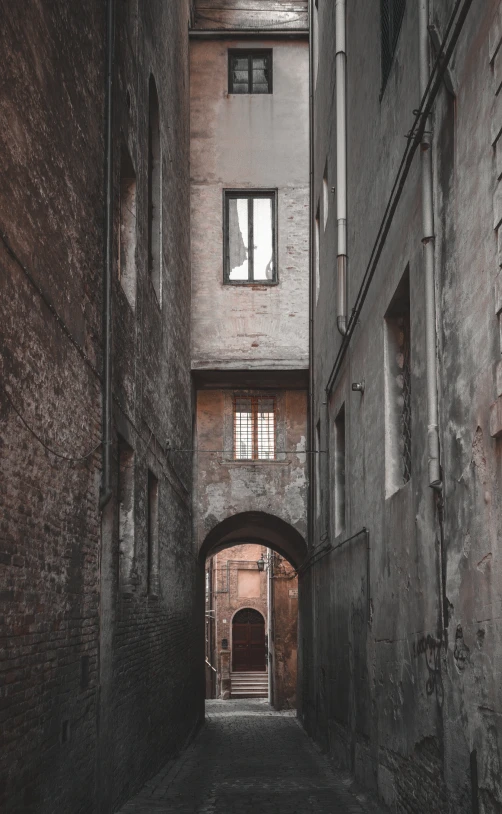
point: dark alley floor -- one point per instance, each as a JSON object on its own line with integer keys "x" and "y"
{"x": 246, "y": 759}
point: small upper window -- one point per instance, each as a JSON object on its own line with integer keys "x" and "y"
{"x": 254, "y": 429}
{"x": 391, "y": 17}
{"x": 250, "y": 237}
{"x": 250, "y": 71}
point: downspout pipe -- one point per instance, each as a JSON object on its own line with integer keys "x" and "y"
{"x": 310, "y": 444}
{"x": 341, "y": 163}
{"x": 428, "y": 241}
{"x": 106, "y": 490}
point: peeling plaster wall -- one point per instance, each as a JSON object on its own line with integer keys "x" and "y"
{"x": 225, "y": 487}
{"x": 219, "y": 14}
{"x": 422, "y": 719}
{"x": 239, "y": 142}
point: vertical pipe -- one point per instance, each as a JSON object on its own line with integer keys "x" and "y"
{"x": 270, "y": 640}
{"x": 428, "y": 251}
{"x": 304, "y": 628}
{"x": 106, "y": 491}
{"x": 341, "y": 162}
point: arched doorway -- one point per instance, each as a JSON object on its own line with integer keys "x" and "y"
{"x": 219, "y": 557}
{"x": 248, "y": 642}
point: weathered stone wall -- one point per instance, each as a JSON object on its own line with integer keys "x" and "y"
{"x": 422, "y": 718}
{"x": 226, "y": 487}
{"x": 99, "y": 683}
{"x": 284, "y": 631}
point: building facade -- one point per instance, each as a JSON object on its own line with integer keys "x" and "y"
{"x": 250, "y": 250}
{"x": 99, "y": 611}
{"x": 402, "y": 660}
{"x": 237, "y": 594}
{"x": 251, "y": 626}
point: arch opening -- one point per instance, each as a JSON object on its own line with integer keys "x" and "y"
{"x": 251, "y": 608}
{"x": 259, "y": 528}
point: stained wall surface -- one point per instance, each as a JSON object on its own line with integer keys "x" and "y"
{"x": 403, "y": 648}
{"x": 240, "y": 14}
{"x": 284, "y": 634}
{"x": 99, "y": 681}
{"x": 225, "y": 487}
{"x": 249, "y": 141}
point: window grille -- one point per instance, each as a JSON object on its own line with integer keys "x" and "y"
{"x": 250, "y": 71}
{"x": 254, "y": 429}
{"x": 391, "y": 17}
{"x": 250, "y": 237}
{"x": 398, "y": 418}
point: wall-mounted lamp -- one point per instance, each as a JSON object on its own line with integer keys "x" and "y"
{"x": 261, "y": 564}
{"x": 358, "y": 387}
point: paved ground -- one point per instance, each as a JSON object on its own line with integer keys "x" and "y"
{"x": 249, "y": 759}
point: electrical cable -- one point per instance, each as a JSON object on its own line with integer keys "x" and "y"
{"x": 413, "y": 141}
{"x": 47, "y": 302}
{"x": 252, "y": 460}
{"x": 68, "y": 458}
{"x": 319, "y": 555}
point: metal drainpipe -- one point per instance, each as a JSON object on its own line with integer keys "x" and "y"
{"x": 429, "y": 247}
{"x": 106, "y": 491}
{"x": 270, "y": 641}
{"x": 341, "y": 163}
{"x": 311, "y": 412}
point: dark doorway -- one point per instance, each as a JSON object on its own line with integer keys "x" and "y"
{"x": 248, "y": 641}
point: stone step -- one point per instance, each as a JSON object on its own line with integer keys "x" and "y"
{"x": 257, "y": 673}
{"x": 250, "y": 678}
{"x": 249, "y": 685}
{"x": 248, "y": 694}
{"x": 249, "y": 689}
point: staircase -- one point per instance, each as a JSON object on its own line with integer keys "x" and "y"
{"x": 249, "y": 685}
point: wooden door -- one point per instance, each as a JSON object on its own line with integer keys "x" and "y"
{"x": 248, "y": 642}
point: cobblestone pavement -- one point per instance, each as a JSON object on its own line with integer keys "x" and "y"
{"x": 249, "y": 759}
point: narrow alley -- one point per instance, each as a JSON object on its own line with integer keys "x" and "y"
{"x": 251, "y": 406}
{"x": 249, "y": 758}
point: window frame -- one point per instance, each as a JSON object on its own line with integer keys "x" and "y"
{"x": 250, "y": 53}
{"x": 230, "y": 194}
{"x": 255, "y": 400}
{"x": 388, "y": 49}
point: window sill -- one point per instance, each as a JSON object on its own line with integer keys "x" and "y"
{"x": 257, "y": 286}
{"x": 234, "y": 462}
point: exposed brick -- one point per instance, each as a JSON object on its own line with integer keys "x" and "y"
{"x": 51, "y": 534}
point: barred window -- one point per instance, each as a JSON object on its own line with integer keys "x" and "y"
{"x": 250, "y": 71}
{"x": 398, "y": 388}
{"x": 391, "y": 17}
{"x": 254, "y": 429}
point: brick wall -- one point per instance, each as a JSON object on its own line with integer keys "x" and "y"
{"x": 71, "y": 635}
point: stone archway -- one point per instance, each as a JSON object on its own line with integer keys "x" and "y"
{"x": 270, "y": 532}
{"x": 256, "y": 527}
